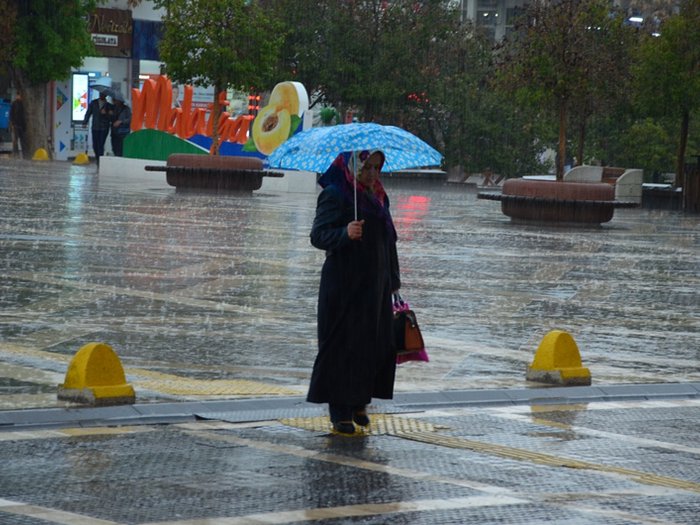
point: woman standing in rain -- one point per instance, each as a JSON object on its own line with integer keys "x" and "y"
{"x": 356, "y": 360}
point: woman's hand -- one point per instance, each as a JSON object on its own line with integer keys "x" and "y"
{"x": 355, "y": 230}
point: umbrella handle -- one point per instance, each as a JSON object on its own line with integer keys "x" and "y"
{"x": 354, "y": 180}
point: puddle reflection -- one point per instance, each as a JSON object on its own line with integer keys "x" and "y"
{"x": 562, "y": 418}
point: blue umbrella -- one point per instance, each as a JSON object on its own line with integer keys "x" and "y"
{"x": 316, "y": 148}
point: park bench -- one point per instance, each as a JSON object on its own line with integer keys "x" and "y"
{"x": 627, "y": 182}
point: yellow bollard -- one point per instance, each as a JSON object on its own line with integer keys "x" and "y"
{"x": 95, "y": 376}
{"x": 558, "y": 361}
{"x": 41, "y": 154}
{"x": 81, "y": 158}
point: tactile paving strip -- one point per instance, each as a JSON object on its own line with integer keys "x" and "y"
{"x": 379, "y": 424}
{"x": 183, "y": 386}
{"x": 73, "y": 432}
{"x": 546, "y": 459}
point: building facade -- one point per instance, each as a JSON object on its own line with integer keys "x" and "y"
{"x": 497, "y": 17}
{"x": 494, "y": 17}
{"x": 126, "y": 39}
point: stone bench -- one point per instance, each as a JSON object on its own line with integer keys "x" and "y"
{"x": 584, "y": 173}
{"x": 587, "y": 195}
{"x": 627, "y": 182}
{"x": 214, "y": 172}
{"x": 562, "y": 202}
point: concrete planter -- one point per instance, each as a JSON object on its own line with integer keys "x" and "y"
{"x": 558, "y": 201}
{"x": 219, "y": 173}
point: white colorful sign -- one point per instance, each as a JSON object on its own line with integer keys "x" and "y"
{"x": 79, "y": 96}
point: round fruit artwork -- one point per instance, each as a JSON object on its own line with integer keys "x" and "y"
{"x": 273, "y": 125}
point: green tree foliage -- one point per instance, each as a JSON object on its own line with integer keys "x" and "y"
{"x": 647, "y": 143}
{"x": 483, "y": 128}
{"x": 8, "y": 23}
{"x": 607, "y": 86}
{"x": 411, "y": 64}
{"x": 41, "y": 41}
{"x": 220, "y": 43}
{"x": 668, "y": 74}
{"x": 367, "y": 56}
{"x": 565, "y": 55}
{"x": 363, "y": 57}
{"x": 476, "y": 126}
{"x": 624, "y": 137}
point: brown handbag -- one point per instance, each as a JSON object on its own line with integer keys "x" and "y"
{"x": 407, "y": 335}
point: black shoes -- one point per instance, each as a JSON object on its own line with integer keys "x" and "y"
{"x": 341, "y": 418}
{"x": 344, "y": 418}
{"x": 360, "y": 417}
{"x": 344, "y": 427}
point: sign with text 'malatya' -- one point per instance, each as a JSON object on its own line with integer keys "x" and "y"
{"x": 160, "y": 127}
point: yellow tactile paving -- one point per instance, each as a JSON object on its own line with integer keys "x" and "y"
{"x": 183, "y": 386}
{"x": 25, "y": 351}
{"x": 105, "y": 431}
{"x": 503, "y": 495}
{"x": 50, "y": 515}
{"x": 169, "y": 383}
{"x": 379, "y": 424}
{"x": 424, "y": 432}
{"x": 194, "y": 387}
{"x": 546, "y": 459}
{"x": 23, "y": 435}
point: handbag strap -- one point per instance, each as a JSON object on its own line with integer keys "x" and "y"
{"x": 399, "y": 305}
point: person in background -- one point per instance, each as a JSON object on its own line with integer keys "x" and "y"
{"x": 356, "y": 360}
{"x": 176, "y": 96}
{"x": 18, "y": 125}
{"x": 121, "y": 124}
{"x": 100, "y": 110}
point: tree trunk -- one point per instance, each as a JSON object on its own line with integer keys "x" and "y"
{"x": 561, "y": 157}
{"x": 581, "y": 140}
{"x": 682, "y": 143}
{"x": 34, "y": 100}
{"x": 215, "y": 115}
{"x": 438, "y": 134}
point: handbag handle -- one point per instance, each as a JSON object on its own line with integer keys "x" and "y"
{"x": 398, "y": 304}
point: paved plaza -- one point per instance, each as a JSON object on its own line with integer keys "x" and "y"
{"x": 209, "y": 302}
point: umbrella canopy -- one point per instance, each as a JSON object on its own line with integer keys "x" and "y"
{"x": 316, "y": 148}
{"x": 103, "y": 85}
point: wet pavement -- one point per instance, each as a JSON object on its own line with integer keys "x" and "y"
{"x": 209, "y": 301}
{"x": 612, "y": 462}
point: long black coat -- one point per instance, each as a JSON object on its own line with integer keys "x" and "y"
{"x": 356, "y": 360}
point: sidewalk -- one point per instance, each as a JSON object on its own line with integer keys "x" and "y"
{"x": 621, "y": 461}
{"x": 209, "y": 301}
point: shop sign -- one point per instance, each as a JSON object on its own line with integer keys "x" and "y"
{"x": 100, "y": 39}
{"x": 111, "y": 31}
